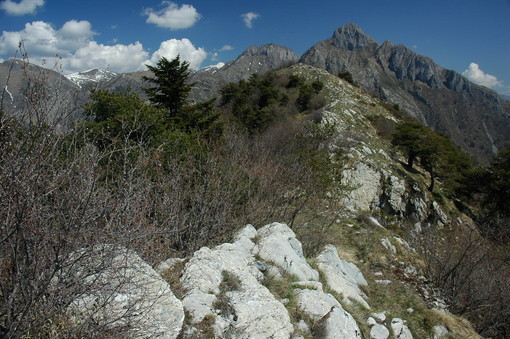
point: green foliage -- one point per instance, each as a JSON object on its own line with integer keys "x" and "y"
{"x": 295, "y": 81}
{"x": 437, "y": 155}
{"x": 201, "y": 118}
{"x": 121, "y": 117}
{"x": 410, "y": 137}
{"x": 498, "y": 182}
{"x": 170, "y": 89}
{"x": 256, "y": 103}
{"x": 490, "y": 187}
{"x": 305, "y": 96}
{"x": 317, "y": 86}
{"x": 347, "y": 76}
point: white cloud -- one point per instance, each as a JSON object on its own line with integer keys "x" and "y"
{"x": 173, "y": 16}
{"x": 249, "y": 17}
{"x": 21, "y": 8}
{"x": 184, "y": 48}
{"x": 74, "y": 34}
{"x": 118, "y": 58}
{"x": 40, "y": 38}
{"x": 476, "y": 75}
{"x": 73, "y": 48}
{"x": 226, "y": 48}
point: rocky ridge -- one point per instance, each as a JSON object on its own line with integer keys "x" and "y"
{"x": 234, "y": 290}
{"x": 227, "y": 293}
{"x": 440, "y": 98}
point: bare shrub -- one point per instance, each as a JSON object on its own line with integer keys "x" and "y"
{"x": 473, "y": 274}
{"x": 62, "y": 195}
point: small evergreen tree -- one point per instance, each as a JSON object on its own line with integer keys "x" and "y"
{"x": 170, "y": 89}
{"x": 410, "y": 137}
{"x": 171, "y": 92}
{"x": 436, "y": 153}
{"x": 347, "y": 76}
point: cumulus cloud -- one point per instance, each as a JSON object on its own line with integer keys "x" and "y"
{"x": 173, "y": 16}
{"x": 20, "y": 8}
{"x": 74, "y": 34}
{"x": 76, "y": 50}
{"x": 476, "y": 75}
{"x": 40, "y": 38}
{"x": 118, "y": 58}
{"x": 184, "y": 48}
{"x": 248, "y": 18}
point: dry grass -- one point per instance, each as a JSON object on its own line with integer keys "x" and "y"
{"x": 459, "y": 327}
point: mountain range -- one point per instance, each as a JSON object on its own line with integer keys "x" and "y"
{"x": 476, "y": 118}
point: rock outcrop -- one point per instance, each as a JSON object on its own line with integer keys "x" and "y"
{"x": 251, "y": 310}
{"x": 230, "y": 291}
{"x": 343, "y": 277}
{"x": 121, "y": 291}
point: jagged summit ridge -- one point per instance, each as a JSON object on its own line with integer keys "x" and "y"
{"x": 271, "y": 50}
{"x": 440, "y": 98}
{"x": 255, "y": 59}
{"x": 350, "y": 37}
{"x": 94, "y": 75}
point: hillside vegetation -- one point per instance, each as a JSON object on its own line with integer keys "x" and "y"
{"x": 300, "y": 146}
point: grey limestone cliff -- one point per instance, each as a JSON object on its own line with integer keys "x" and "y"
{"x": 476, "y": 118}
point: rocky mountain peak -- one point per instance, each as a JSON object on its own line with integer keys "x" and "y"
{"x": 273, "y": 51}
{"x": 94, "y": 75}
{"x": 351, "y": 37}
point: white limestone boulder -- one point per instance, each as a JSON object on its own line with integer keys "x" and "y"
{"x": 400, "y": 329}
{"x": 315, "y": 304}
{"x": 338, "y": 324}
{"x": 440, "y": 332}
{"x": 123, "y": 291}
{"x": 379, "y": 331}
{"x": 255, "y": 313}
{"x": 388, "y": 245}
{"x": 341, "y": 276}
{"x": 366, "y": 184}
{"x": 278, "y": 245}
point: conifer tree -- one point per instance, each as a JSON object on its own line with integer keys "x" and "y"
{"x": 170, "y": 89}
{"x": 410, "y": 137}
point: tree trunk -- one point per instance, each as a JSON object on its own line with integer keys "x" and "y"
{"x": 432, "y": 181}
{"x": 410, "y": 160}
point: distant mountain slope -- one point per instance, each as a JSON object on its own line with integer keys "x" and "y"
{"x": 33, "y": 92}
{"x": 255, "y": 59}
{"x": 91, "y": 77}
{"x": 474, "y": 117}
{"x": 209, "y": 81}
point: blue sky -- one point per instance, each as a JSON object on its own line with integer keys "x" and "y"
{"x": 469, "y": 36}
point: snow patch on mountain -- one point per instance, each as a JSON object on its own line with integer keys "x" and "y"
{"x": 91, "y": 76}
{"x": 213, "y": 68}
{"x": 10, "y": 94}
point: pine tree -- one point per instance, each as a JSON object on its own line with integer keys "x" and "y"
{"x": 170, "y": 89}
{"x": 411, "y": 137}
